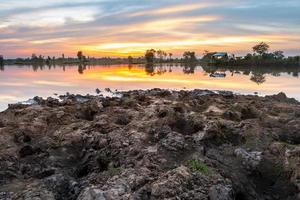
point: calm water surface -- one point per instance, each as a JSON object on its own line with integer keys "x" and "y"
{"x": 19, "y": 83}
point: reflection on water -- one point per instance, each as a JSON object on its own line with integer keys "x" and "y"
{"x": 20, "y": 83}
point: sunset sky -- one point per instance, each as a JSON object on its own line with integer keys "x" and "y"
{"x": 129, "y": 27}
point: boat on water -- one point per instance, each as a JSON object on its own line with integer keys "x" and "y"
{"x": 218, "y": 75}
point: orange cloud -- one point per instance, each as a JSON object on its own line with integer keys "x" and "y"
{"x": 173, "y": 9}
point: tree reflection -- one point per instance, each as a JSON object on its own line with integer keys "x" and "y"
{"x": 149, "y": 68}
{"x": 295, "y": 74}
{"x": 161, "y": 70}
{"x": 258, "y": 78}
{"x": 189, "y": 67}
{"x": 81, "y": 68}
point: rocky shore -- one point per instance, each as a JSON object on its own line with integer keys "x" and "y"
{"x": 148, "y": 145}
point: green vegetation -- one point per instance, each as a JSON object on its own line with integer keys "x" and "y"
{"x": 260, "y": 57}
{"x": 199, "y": 166}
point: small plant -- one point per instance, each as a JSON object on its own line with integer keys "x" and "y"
{"x": 199, "y": 166}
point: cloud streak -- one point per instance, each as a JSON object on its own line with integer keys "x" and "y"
{"x": 128, "y": 27}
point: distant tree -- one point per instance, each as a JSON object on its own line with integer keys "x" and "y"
{"x": 1, "y": 60}
{"x": 205, "y": 52}
{"x": 278, "y": 55}
{"x": 63, "y": 56}
{"x": 165, "y": 55}
{"x": 80, "y": 55}
{"x": 130, "y": 59}
{"x": 41, "y": 57}
{"x": 48, "y": 60}
{"x": 170, "y": 56}
{"x": 248, "y": 56}
{"x": 160, "y": 54}
{"x": 150, "y": 55}
{"x": 34, "y": 57}
{"x": 261, "y": 48}
{"x": 189, "y": 56}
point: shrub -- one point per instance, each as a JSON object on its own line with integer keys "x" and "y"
{"x": 199, "y": 166}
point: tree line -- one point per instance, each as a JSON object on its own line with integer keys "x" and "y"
{"x": 153, "y": 56}
{"x": 260, "y": 55}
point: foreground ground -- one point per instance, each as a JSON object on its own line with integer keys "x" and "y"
{"x": 152, "y": 144}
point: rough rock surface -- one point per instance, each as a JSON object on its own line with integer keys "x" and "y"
{"x": 150, "y": 145}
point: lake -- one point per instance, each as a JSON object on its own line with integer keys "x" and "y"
{"x": 19, "y": 83}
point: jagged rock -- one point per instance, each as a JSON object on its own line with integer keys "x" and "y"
{"x": 174, "y": 142}
{"x": 153, "y": 144}
{"x": 221, "y": 192}
{"x": 170, "y": 184}
{"x": 250, "y": 159}
{"x": 91, "y": 193}
{"x": 26, "y": 151}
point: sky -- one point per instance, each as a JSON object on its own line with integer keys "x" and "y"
{"x": 120, "y": 28}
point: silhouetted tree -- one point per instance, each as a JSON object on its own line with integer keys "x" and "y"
{"x": 189, "y": 56}
{"x": 80, "y": 55}
{"x": 160, "y": 55}
{"x": 170, "y": 56}
{"x": 130, "y": 59}
{"x": 1, "y": 60}
{"x": 150, "y": 55}
{"x": 278, "y": 55}
{"x": 261, "y": 48}
{"x": 48, "y": 60}
{"x": 34, "y": 57}
{"x": 248, "y": 56}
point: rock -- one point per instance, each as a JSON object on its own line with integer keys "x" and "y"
{"x": 249, "y": 112}
{"x": 145, "y": 145}
{"x": 232, "y": 115}
{"x": 171, "y": 184}
{"x": 221, "y": 192}
{"x": 174, "y": 142}
{"x": 95, "y": 105}
{"x": 27, "y": 150}
{"x": 62, "y": 186}
{"x": 98, "y": 91}
{"x": 250, "y": 159}
{"x": 60, "y": 114}
{"x": 292, "y": 132}
{"x": 281, "y": 97}
{"x": 92, "y": 193}
{"x": 123, "y": 119}
{"x": 34, "y": 194}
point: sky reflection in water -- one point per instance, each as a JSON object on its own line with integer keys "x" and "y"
{"x": 19, "y": 83}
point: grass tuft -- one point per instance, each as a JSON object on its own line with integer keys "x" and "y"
{"x": 199, "y": 166}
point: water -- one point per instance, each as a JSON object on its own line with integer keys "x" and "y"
{"x": 19, "y": 83}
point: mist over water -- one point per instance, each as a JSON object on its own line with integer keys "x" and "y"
{"x": 19, "y": 83}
